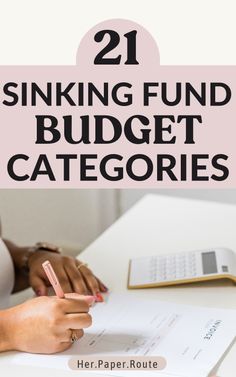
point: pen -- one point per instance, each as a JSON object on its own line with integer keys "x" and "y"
{"x": 52, "y": 277}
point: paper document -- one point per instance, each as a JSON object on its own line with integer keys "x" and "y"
{"x": 191, "y": 339}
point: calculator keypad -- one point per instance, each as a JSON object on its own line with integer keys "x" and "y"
{"x": 173, "y": 267}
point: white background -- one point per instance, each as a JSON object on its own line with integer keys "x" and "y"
{"x": 48, "y": 32}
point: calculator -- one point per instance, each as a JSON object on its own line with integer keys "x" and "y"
{"x": 182, "y": 268}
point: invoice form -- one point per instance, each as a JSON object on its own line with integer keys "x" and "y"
{"x": 192, "y": 339}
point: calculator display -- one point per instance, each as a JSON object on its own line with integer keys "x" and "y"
{"x": 209, "y": 264}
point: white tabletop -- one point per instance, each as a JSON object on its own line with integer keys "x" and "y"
{"x": 159, "y": 224}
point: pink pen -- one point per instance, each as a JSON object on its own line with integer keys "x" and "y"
{"x": 52, "y": 277}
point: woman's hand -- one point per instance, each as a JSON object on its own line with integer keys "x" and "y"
{"x": 73, "y": 279}
{"x": 43, "y": 324}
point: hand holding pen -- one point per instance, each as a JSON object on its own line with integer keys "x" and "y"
{"x": 52, "y": 277}
{"x": 46, "y": 324}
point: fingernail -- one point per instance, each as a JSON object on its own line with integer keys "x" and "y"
{"x": 99, "y": 297}
{"x": 90, "y": 299}
{"x": 106, "y": 289}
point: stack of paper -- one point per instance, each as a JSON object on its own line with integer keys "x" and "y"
{"x": 191, "y": 339}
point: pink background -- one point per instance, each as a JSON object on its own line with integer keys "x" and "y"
{"x": 18, "y": 125}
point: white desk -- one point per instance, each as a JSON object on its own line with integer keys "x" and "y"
{"x": 159, "y": 224}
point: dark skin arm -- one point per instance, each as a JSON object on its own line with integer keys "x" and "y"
{"x": 73, "y": 279}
